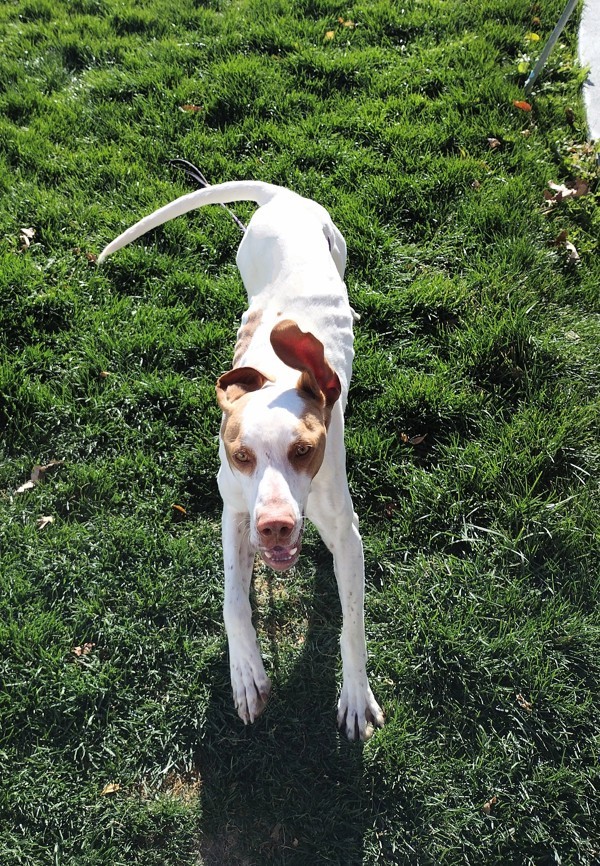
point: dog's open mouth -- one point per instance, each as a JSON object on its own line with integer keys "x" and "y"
{"x": 281, "y": 558}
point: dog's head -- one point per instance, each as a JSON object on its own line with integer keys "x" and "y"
{"x": 274, "y": 439}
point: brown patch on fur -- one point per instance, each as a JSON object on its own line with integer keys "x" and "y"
{"x": 302, "y": 351}
{"x": 231, "y": 434}
{"x": 312, "y": 432}
{"x": 245, "y": 334}
{"x": 237, "y": 383}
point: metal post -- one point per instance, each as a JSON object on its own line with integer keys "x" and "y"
{"x": 549, "y": 46}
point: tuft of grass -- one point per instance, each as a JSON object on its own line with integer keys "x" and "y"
{"x": 472, "y": 437}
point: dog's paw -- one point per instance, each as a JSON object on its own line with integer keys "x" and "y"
{"x": 358, "y": 711}
{"x": 251, "y": 687}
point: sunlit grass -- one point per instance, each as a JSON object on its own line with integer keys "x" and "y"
{"x": 472, "y": 438}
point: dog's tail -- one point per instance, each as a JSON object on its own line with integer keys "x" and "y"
{"x": 223, "y": 193}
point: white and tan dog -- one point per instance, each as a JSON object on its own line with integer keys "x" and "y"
{"x": 282, "y": 434}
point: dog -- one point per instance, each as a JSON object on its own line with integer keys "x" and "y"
{"x": 282, "y": 432}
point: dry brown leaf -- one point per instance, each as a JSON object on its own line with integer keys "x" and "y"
{"x": 38, "y": 473}
{"x": 561, "y": 191}
{"x": 560, "y": 238}
{"x": 585, "y": 149}
{"x": 43, "y": 522}
{"x": 190, "y": 107}
{"x": 110, "y": 788}
{"x": 494, "y": 143}
{"x": 25, "y": 238}
{"x": 179, "y": 512}
{"x": 329, "y": 35}
{"x": 524, "y": 703}
{"x": 573, "y": 256}
{"x": 487, "y": 807}
{"x": 580, "y": 187}
{"x": 83, "y": 650}
{"x": 412, "y": 440}
{"x": 104, "y": 374}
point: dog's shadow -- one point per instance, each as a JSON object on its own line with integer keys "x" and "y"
{"x": 288, "y": 789}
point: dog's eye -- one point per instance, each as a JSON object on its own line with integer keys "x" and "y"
{"x": 302, "y": 450}
{"x": 242, "y": 456}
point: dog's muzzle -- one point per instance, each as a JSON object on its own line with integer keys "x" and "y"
{"x": 281, "y": 557}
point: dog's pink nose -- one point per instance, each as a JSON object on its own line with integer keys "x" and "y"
{"x": 275, "y": 530}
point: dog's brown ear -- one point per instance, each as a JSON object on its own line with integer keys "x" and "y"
{"x": 237, "y": 382}
{"x": 303, "y": 351}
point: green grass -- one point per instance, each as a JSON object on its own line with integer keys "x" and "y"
{"x": 481, "y": 539}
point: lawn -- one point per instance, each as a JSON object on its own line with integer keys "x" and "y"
{"x": 472, "y": 435}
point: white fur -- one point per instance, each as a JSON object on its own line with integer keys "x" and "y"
{"x": 292, "y": 260}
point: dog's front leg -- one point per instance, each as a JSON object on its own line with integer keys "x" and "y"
{"x": 249, "y": 682}
{"x": 358, "y": 711}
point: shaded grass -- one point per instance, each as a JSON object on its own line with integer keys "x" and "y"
{"x": 472, "y": 438}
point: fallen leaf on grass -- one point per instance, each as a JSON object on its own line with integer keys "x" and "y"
{"x": 487, "y": 807}
{"x": 38, "y": 473}
{"x": 524, "y": 703}
{"x": 532, "y": 37}
{"x": 582, "y": 150}
{"x": 413, "y": 440}
{"x": 329, "y": 35}
{"x": 83, "y": 650}
{"x": 562, "y": 240}
{"x": 190, "y": 107}
{"x": 25, "y": 238}
{"x": 560, "y": 191}
{"x": 350, "y": 24}
{"x": 179, "y": 511}
{"x": 43, "y": 522}
{"x": 573, "y": 256}
{"x": 110, "y": 788}
{"x": 494, "y": 143}
{"x": 91, "y": 257}
{"x": 521, "y": 104}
